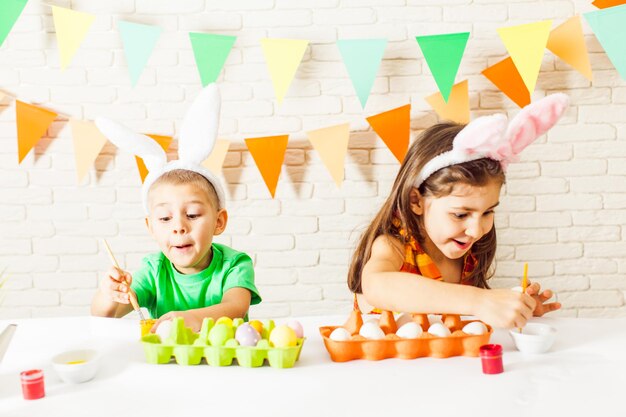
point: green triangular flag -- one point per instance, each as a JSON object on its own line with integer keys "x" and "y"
{"x": 10, "y": 10}
{"x": 608, "y": 26}
{"x": 362, "y": 58}
{"x": 139, "y": 41}
{"x": 210, "y": 52}
{"x": 443, "y": 55}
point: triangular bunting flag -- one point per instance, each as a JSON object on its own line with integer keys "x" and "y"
{"x": 165, "y": 142}
{"x": 568, "y": 43}
{"x": 505, "y": 76}
{"x": 210, "y": 52}
{"x": 332, "y": 145}
{"x": 526, "y": 44}
{"x": 457, "y": 108}
{"x": 71, "y": 28}
{"x": 362, "y": 58}
{"x": 603, "y": 4}
{"x": 394, "y": 128}
{"x": 215, "y": 161}
{"x": 443, "y": 55}
{"x": 283, "y": 57}
{"x": 88, "y": 142}
{"x": 139, "y": 41}
{"x": 609, "y": 26}
{"x": 268, "y": 154}
{"x": 10, "y": 10}
{"x": 32, "y": 123}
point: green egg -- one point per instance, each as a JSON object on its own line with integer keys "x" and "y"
{"x": 220, "y": 333}
{"x": 263, "y": 344}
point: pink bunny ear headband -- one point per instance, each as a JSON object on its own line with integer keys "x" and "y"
{"x": 490, "y": 137}
{"x": 198, "y": 134}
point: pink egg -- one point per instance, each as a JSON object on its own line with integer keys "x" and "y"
{"x": 297, "y": 327}
{"x": 247, "y": 335}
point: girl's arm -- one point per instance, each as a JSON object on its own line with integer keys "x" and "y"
{"x": 235, "y": 303}
{"x": 386, "y": 288}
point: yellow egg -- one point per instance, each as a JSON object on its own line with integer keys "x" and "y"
{"x": 225, "y": 320}
{"x": 258, "y": 326}
{"x": 283, "y": 336}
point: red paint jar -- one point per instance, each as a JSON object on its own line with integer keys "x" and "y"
{"x": 32, "y": 384}
{"x": 491, "y": 358}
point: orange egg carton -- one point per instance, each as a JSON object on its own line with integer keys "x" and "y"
{"x": 458, "y": 343}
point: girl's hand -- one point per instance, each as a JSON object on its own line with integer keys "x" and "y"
{"x": 534, "y": 290}
{"x": 116, "y": 285}
{"x": 505, "y": 308}
{"x": 190, "y": 319}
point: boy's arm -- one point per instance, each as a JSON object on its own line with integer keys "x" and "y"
{"x": 235, "y": 303}
{"x": 386, "y": 288}
{"x": 111, "y": 298}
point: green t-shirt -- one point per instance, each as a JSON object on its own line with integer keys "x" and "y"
{"x": 161, "y": 288}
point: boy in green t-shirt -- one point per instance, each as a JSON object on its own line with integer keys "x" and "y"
{"x": 191, "y": 277}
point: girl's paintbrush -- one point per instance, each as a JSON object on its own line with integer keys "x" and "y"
{"x": 524, "y": 283}
{"x": 131, "y": 296}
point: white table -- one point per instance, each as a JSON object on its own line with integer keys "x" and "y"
{"x": 584, "y": 374}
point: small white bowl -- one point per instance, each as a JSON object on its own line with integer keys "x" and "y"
{"x": 534, "y": 338}
{"x": 76, "y": 366}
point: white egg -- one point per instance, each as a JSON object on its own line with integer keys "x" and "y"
{"x": 410, "y": 330}
{"x": 438, "y": 329}
{"x": 403, "y": 319}
{"x": 371, "y": 331}
{"x": 434, "y": 318}
{"x": 475, "y": 328}
{"x": 340, "y": 334}
{"x": 164, "y": 329}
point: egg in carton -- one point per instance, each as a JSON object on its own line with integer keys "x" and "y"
{"x": 411, "y": 336}
{"x": 221, "y": 342}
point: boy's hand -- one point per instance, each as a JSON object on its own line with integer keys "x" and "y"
{"x": 190, "y": 319}
{"x": 534, "y": 290}
{"x": 505, "y": 308}
{"x": 116, "y": 285}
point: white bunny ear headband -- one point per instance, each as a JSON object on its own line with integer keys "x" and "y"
{"x": 197, "y": 139}
{"x": 490, "y": 137}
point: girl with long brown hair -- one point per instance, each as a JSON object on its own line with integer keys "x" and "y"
{"x": 436, "y": 228}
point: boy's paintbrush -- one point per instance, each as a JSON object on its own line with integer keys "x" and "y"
{"x": 524, "y": 283}
{"x": 131, "y": 296}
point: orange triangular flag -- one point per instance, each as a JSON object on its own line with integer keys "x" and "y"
{"x": 88, "y": 142}
{"x": 457, "y": 108}
{"x": 32, "y": 123}
{"x": 332, "y": 145}
{"x": 165, "y": 142}
{"x": 268, "y": 154}
{"x": 505, "y": 76}
{"x": 394, "y": 128}
{"x": 568, "y": 43}
{"x": 603, "y": 4}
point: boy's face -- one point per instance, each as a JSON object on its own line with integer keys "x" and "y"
{"x": 453, "y": 223}
{"x": 183, "y": 221}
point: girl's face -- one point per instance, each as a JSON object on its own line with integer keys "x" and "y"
{"x": 453, "y": 223}
{"x": 183, "y": 221}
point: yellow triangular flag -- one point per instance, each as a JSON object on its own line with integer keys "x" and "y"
{"x": 457, "y": 107}
{"x": 71, "y": 28}
{"x": 32, "y": 122}
{"x": 568, "y": 43}
{"x": 88, "y": 142}
{"x": 216, "y": 159}
{"x": 332, "y": 145}
{"x": 283, "y": 57}
{"x": 526, "y": 44}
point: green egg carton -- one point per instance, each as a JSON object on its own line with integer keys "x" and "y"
{"x": 218, "y": 348}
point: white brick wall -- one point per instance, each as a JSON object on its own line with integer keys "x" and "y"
{"x": 563, "y": 209}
